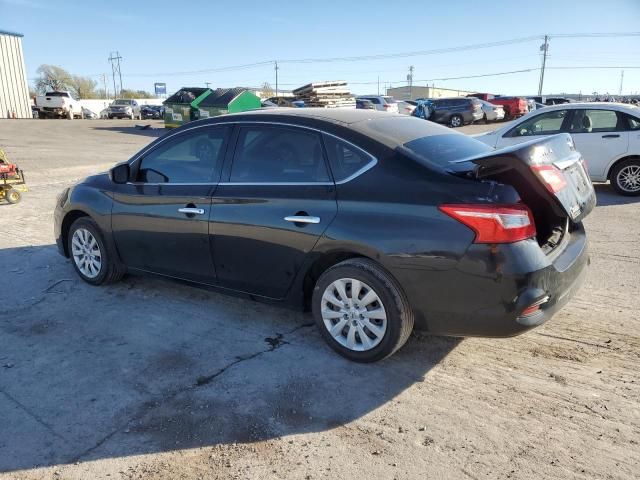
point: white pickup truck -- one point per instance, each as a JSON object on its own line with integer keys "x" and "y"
{"x": 58, "y": 105}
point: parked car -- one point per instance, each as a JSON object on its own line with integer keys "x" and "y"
{"x": 364, "y": 104}
{"x": 556, "y": 100}
{"x": 374, "y": 221}
{"x": 124, "y": 108}
{"x": 514, "y": 107}
{"x": 152, "y": 112}
{"x": 491, "y": 112}
{"x": 58, "y": 104}
{"x": 607, "y": 135}
{"x": 382, "y": 102}
{"x": 405, "y": 108}
{"x": 456, "y": 111}
{"x": 88, "y": 114}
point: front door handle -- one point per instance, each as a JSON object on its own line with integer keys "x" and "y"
{"x": 302, "y": 219}
{"x": 611, "y": 136}
{"x": 191, "y": 211}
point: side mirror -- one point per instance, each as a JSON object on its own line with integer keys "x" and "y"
{"x": 120, "y": 173}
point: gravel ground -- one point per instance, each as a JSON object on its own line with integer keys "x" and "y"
{"x": 150, "y": 379}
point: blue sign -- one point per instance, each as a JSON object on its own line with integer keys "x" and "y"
{"x": 161, "y": 88}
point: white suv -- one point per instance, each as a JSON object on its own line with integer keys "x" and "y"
{"x": 382, "y": 102}
{"x": 606, "y": 134}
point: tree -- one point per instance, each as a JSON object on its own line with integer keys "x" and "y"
{"x": 83, "y": 87}
{"x": 52, "y": 77}
{"x": 126, "y": 93}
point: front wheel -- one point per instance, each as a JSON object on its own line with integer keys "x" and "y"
{"x": 361, "y": 310}
{"x": 91, "y": 258}
{"x": 13, "y": 196}
{"x": 455, "y": 121}
{"x": 625, "y": 177}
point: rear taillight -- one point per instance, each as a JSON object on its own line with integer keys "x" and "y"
{"x": 494, "y": 223}
{"x": 386, "y": 106}
{"x": 552, "y": 177}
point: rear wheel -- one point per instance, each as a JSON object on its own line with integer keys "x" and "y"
{"x": 13, "y": 196}
{"x": 625, "y": 177}
{"x": 455, "y": 121}
{"x": 91, "y": 258}
{"x": 361, "y": 311}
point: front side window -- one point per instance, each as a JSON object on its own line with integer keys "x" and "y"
{"x": 190, "y": 157}
{"x": 345, "y": 160}
{"x": 548, "y": 123}
{"x": 594, "y": 121}
{"x": 271, "y": 154}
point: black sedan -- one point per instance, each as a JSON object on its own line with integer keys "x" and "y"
{"x": 374, "y": 221}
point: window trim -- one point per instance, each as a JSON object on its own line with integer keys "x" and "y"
{"x": 235, "y": 123}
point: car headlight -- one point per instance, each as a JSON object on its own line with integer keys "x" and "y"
{"x": 128, "y": 109}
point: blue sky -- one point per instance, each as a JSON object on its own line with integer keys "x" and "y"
{"x": 160, "y": 39}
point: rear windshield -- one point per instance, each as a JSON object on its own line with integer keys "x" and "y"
{"x": 390, "y": 100}
{"x": 56, "y": 94}
{"x": 446, "y": 152}
{"x": 122, "y": 102}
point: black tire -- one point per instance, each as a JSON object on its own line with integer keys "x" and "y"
{"x": 484, "y": 118}
{"x": 618, "y": 174}
{"x": 111, "y": 270}
{"x": 13, "y": 196}
{"x": 456, "y": 121}
{"x": 399, "y": 314}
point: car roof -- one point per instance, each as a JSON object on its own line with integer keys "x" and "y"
{"x": 623, "y": 107}
{"x": 383, "y": 127}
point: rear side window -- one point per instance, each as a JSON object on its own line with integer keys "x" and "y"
{"x": 191, "y": 157}
{"x": 592, "y": 121}
{"x": 345, "y": 159}
{"x": 266, "y": 154}
{"x": 633, "y": 123}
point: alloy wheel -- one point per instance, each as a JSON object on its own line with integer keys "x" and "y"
{"x": 86, "y": 253}
{"x": 628, "y": 178}
{"x": 353, "y": 314}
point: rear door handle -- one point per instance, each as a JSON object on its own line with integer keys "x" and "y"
{"x": 302, "y": 219}
{"x": 611, "y": 136}
{"x": 191, "y": 211}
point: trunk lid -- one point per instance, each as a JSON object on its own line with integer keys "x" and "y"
{"x": 549, "y": 169}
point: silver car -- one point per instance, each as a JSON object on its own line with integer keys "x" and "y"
{"x": 491, "y": 112}
{"x": 382, "y": 102}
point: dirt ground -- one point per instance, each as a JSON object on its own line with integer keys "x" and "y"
{"x": 149, "y": 379}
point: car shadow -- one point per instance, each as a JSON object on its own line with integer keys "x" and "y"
{"x": 607, "y": 196}
{"x": 149, "y": 365}
{"x": 142, "y": 127}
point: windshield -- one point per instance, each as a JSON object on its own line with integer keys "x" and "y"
{"x": 122, "y": 102}
{"x": 446, "y": 152}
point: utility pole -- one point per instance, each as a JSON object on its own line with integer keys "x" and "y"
{"x": 621, "y": 80}
{"x": 207, "y": 84}
{"x": 544, "y": 48}
{"x": 115, "y": 69}
{"x": 104, "y": 84}
{"x": 276, "y": 68}
{"x": 378, "y": 84}
{"x": 410, "y": 81}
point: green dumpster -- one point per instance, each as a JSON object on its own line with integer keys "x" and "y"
{"x": 228, "y": 100}
{"x": 182, "y": 106}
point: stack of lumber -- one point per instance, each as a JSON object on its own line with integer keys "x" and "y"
{"x": 326, "y": 95}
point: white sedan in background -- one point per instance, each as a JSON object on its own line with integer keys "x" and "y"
{"x": 606, "y": 134}
{"x": 491, "y": 112}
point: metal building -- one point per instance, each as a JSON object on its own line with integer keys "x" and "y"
{"x": 14, "y": 91}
